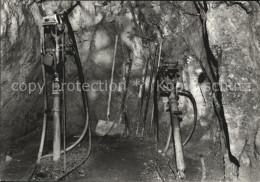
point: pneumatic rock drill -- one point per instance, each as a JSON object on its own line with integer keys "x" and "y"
{"x": 53, "y": 60}
{"x": 168, "y": 75}
{"x": 57, "y": 40}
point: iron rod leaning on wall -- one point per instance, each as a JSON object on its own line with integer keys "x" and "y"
{"x": 64, "y": 103}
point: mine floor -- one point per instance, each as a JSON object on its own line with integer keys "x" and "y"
{"x": 113, "y": 159}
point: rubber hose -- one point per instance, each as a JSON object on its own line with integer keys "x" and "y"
{"x": 43, "y": 125}
{"x": 44, "y": 116}
{"x": 187, "y": 93}
{"x": 168, "y": 140}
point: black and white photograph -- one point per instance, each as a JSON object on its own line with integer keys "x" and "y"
{"x": 129, "y": 91}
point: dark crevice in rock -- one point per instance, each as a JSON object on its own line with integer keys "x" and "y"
{"x": 212, "y": 70}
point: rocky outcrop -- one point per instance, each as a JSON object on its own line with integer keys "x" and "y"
{"x": 230, "y": 29}
{"x": 20, "y": 65}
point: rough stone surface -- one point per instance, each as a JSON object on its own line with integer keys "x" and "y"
{"x": 20, "y": 51}
{"x": 229, "y": 28}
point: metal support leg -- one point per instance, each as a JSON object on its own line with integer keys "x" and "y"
{"x": 175, "y": 123}
{"x": 56, "y": 120}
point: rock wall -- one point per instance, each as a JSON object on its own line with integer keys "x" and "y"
{"x": 20, "y": 53}
{"x": 230, "y": 28}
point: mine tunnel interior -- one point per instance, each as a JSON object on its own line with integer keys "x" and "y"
{"x": 130, "y": 90}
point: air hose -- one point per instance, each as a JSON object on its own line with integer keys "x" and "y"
{"x": 187, "y": 94}
{"x": 44, "y": 115}
{"x": 44, "y": 125}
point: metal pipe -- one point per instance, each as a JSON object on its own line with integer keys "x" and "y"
{"x": 56, "y": 119}
{"x": 175, "y": 123}
{"x": 155, "y": 113}
{"x": 56, "y": 105}
{"x": 64, "y": 104}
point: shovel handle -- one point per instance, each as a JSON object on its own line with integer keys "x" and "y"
{"x": 112, "y": 77}
{"x": 159, "y": 58}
